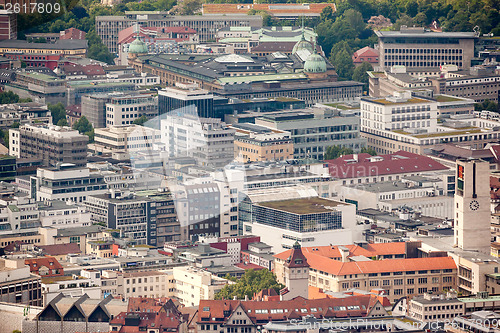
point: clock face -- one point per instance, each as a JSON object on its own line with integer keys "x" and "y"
{"x": 474, "y": 205}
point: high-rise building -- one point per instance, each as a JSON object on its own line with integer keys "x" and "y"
{"x": 208, "y": 140}
{"x": 135, "y": 217}
{"x": 124, "y": 109}
{"x": 8, "y": 24}
{"x": 171, "y": 99}
{"x": 52, "y": 144}
{"x": 472, "y": 206}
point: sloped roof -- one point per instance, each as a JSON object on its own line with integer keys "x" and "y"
{"x": 337, "y": 268}
{"x": 60, "y": 249}
{"x": 219, "y": 310}
{"x": 376, "y": 249}
{"x": 36, "y": 263}
{"x": 151, "y": 320}
{"x": 364, "y": 165}
{"x": 365, "y": 52}
{"x": 73, "y": 33}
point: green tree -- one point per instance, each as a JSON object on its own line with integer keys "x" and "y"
{"x": 190, "y": 7}
{"x": 367, "y": 150}
{"x": 97, "y": 50}
{"x": 334, "y": 152}
{"x": 486, "y": 105}
{"x": 58, "y": 112}
{"x": 8, "y": 97}
{"x": 250, "y": 283}
{"x": 62, "y": 122}
{"x": 355, "y": 20}
{"x": 360, "y": 74}
{"x": 15, "y": 124}
{"x": 326, "y": 14}
{"x": 141, "y": 120}
{"x": 343, "y": 65}
{"x": 420, "y": 20}
{"x": 82, "y": 125}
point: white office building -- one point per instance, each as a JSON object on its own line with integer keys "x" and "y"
{"x": 209, "y": 140}
{"x": 401, "y": 111}
{"x": 125, "y": 109}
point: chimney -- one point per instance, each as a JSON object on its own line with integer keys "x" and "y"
{"x": 246, "y": 297}
{"x": 344, "y": 253}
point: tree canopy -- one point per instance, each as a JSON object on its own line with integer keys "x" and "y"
{"x": 250, "y": 283}
{"x": 360, "y": 74}
{"x": 58, "y": 112}
{"x": 141, "y": 120}
{"x": 8, "y": 97}
{"x": 84, "y": 126}
{"x": 334, "y": 152}
{"x": 486, "y": 105}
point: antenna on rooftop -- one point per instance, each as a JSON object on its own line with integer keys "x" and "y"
{"x": 137, "y": 30}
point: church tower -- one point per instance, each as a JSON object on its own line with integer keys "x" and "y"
{"x": 472, "y": 206}
{"x": 296, "y": 275}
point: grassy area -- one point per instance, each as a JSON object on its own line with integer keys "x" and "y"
{"x": 433, "y": 135}
{"x": 408, "y": 101}
{"x": 302, "y": 206}
{"x": 341, "y": 106}
{"x": 443, "y": 98}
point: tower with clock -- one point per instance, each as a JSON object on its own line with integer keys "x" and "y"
{"x": 472, "y": 206}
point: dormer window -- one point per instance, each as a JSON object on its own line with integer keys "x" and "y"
{"x": 298, "y": 261}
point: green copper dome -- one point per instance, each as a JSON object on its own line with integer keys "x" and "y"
{"x": 137, "y": 46}
{"x": 315, "y": 64}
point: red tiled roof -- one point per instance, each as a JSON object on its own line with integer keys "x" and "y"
{"x": 315, "y": 293}
{"x": 337, "y": 268}
{"x": 495, "y": 151}
{"x": 249, "y": 266}
{"x": 91, "y": 70}
{"x": 377, "y": 249}
{"x": 296, "y": 258}
{"x": 366, "y": 53}
{"x": 60, "y": 249}
{"x": 73, "y": 33}
{"x": 213, "y": 310}
{"x": 364, "y": 165}
{"x": 36, "y": 263}
{"x": 150, "y": 320}
{"x": 461, "y": 152}
{"x": 74, "y": 110}
{"x": 282, "y": 8}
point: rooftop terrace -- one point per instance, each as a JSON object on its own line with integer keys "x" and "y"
{"x": 303, "y": 206}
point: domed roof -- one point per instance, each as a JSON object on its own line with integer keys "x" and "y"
{"x": 302, "y": 44}
{"x": 315, "y": 64}
{"x": 137, "y": 46}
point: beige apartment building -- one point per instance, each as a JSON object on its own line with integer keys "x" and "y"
{"x": 138, "y": 284}
{"x": 431, "y": 307}
{"x": 254, "y": 143}
{"x": 195, "y": 284}
{"x": 397, "y": 277}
